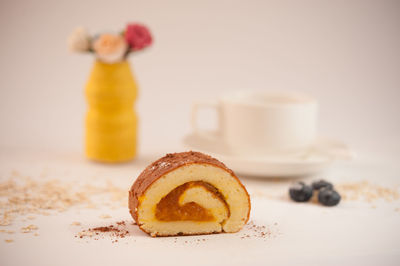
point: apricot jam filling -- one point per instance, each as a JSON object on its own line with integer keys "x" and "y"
{"x": 169, "y": 209}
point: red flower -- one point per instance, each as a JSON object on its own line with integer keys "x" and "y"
{"x": 137, "y": 36}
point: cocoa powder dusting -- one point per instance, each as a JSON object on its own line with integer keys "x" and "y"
{"x": 253, "y": 231}
{"x": 117, "y": 231}
{"x": 104, "y": 229}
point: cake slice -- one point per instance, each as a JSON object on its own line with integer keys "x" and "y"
{"x": 188, "y": 193}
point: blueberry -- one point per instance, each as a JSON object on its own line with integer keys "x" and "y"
{"x": 328, "y": 197}
{"x": 317, "y": 185}
{"x": 300, "y": 192}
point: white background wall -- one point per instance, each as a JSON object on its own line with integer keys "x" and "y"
{"x": 345, "y": 53}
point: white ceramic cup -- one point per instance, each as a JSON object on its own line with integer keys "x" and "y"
{"x": 262, "y": 123}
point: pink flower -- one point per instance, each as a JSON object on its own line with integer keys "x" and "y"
{"x": 137, "y": 36}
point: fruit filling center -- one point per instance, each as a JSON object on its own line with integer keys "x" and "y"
{"x": 172, "y": 208}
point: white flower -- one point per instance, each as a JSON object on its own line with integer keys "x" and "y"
{"x": 79, "y": 40}
{"x": 110, "y": 48}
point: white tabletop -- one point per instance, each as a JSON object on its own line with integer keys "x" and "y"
{"x": 353, "y": 233}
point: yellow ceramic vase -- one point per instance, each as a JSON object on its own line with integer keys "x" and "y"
{"x": 111, "y": 123}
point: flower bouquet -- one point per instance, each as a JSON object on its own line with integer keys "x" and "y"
{"x": 111, "y": 122}
{"x": 108, "y": 47}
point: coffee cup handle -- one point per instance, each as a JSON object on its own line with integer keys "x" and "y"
{"x": 200, "y": 132}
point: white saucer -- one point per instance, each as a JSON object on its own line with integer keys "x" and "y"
{"x": 308, "y": 162}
